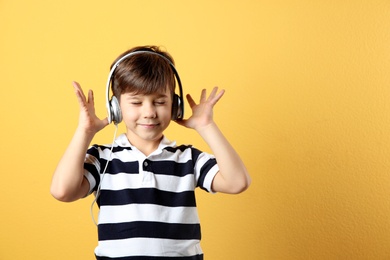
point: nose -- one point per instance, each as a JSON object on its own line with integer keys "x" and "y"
{"x": 149, "y": 110}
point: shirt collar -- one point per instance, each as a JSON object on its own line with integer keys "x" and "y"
{"x": 124, "y": 142}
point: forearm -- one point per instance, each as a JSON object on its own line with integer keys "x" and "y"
{"x": 233, "y": 176}
{"x": 67, "y": 182}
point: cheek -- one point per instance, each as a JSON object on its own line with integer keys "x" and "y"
{"x": 166, "y": 111}
{"x": 128, "y": 112}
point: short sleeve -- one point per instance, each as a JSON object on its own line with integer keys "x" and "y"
{"x": 91, "y": 180}
{"x": 208, "y": 180}
{"x": 206, "y": 168}
{"x": 92, "y": 168}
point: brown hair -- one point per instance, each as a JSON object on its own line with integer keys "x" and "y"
{"x": 143, "y": 73}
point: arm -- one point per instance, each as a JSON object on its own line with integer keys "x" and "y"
{"x": 68, "y": 182}
{"x": 232, "y": 176}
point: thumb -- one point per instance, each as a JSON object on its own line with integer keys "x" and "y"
{"x": 102, "y": 124}
{"x": 105, "y": 122}
{"x": 183, "y": 122}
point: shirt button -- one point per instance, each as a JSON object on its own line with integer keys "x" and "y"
{"x": 145, "y": 163}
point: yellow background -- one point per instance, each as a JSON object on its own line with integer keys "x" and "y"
{"x": 307, "y": 107}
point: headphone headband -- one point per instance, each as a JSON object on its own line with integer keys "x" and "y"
{"x": 113, "y": 109}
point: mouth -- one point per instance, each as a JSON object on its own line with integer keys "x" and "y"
{"x": 148, "y": 125}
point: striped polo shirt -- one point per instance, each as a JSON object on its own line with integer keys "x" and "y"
{"x": 147, "y": 203}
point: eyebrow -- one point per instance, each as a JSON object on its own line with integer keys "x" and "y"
{"x": 158, "y": 95}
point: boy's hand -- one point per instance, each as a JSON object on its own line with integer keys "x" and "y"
{"x": 232, "y": 177}
{"x": 202, "y": 113}
{"x": 88, "y": 121}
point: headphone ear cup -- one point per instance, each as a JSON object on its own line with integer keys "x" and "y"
{"x": 177, "y": 112}
{"x": 116, "y": 113}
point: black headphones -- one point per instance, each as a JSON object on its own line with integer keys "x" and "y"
{"x": 113, "y": 108}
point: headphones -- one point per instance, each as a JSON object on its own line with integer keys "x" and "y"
{"x": 113, "y": 108}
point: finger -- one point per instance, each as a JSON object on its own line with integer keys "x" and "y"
{"x": 212, "y": 94}
{"x": 190, "y": 100}
{"x": 203, "y": 95}
{"x": 90, "y": 97}
{"x": 219, "y": 95}
{"x": 79, "y": 90}
{"x": 216, "y": 96}
{"x": 105, "y": 122}
{"x": 102, "y": 124}
{"x": 91, "y": 104}
{"x": 183, "y": 122}
{"x": 79, "y": 94}
{"x": 77, "y": 86}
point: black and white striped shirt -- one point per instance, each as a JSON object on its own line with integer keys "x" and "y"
{"x": 147, "y": 203}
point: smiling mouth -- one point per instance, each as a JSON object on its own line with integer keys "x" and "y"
{"x": 148, "y": 125}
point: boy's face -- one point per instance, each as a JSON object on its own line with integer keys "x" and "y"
{"x": 146, "y": 116}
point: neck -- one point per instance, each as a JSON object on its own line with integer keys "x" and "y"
{"x": 145, "y": 146}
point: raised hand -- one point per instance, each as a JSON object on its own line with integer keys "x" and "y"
{"x": 202, "y": 113}
{"x": 88, "y": 121}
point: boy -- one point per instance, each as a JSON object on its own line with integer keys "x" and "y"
{"x": 145, "y": 183}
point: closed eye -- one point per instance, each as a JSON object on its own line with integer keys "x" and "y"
{"x": 161, "y": 102}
